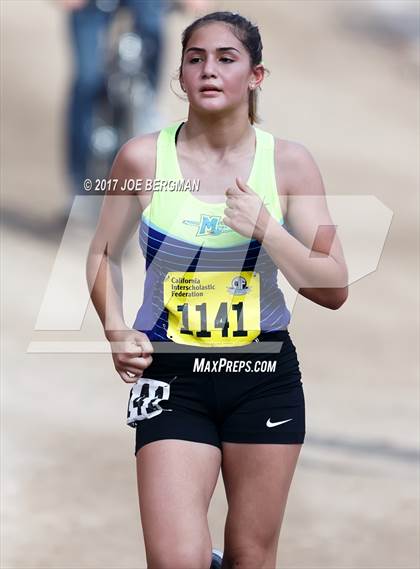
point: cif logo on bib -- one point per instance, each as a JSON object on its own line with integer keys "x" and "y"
{"x": 238, "y": 286}
{"x": 209, "y": 225}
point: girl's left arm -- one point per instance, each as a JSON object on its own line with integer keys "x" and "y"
{"x": 309, "y": 252}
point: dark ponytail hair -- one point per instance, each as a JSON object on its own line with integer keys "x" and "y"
{"x": 246, "y": 32}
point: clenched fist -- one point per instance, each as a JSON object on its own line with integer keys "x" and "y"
{"x": 245, "y": 211}
{"x": 131, "y": 352}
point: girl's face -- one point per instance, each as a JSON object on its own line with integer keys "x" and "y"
{"x": 216, "y": 70}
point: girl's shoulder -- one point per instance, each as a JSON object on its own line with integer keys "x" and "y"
{"x": 295, "y": 163}
{"x": 138, "y": 154}
{"x": 289, "y": 150}
{"x": 141, "y": 150}
{"x": 289, "y": 154}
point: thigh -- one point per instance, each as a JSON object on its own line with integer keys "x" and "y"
{"x": 176, "y": 479}
{"x": 257, "y": 479}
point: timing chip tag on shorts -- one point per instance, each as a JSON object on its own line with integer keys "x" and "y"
{"x": 208, "y": 308}
{"x": 144, "y": 400}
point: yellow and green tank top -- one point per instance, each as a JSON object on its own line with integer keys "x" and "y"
{"x": 206, "y": 285}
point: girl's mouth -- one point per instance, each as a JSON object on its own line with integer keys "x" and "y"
{"x": 210, "y": 89}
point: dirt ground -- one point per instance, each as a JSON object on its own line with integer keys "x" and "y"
{"x": 68, "y": 471}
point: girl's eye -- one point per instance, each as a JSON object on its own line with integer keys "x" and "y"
{"x": 223, "y": 59}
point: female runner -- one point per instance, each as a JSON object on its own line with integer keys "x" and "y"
{"x": 223, "y": 389}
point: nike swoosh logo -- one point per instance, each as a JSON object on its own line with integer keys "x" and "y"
{"x": 270, "y": 424}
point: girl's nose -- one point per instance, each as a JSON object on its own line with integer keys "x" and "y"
{"x": 209, "y": 68}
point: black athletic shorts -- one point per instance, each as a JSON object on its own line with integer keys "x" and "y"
{"x": 217, "y": 395}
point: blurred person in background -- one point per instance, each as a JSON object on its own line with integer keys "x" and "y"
{"x": 89, "y": 21}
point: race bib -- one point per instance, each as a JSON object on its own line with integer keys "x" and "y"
{"x": 217, "y": 309}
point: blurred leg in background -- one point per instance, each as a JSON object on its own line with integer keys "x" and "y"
{"x": 148, "y": 23}
{"x": 88, "y": 28}
{"x": 89, "y": 34}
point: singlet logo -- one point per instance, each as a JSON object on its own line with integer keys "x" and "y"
{"x": 209, "y": 225}
{"x": 238, "y": 286}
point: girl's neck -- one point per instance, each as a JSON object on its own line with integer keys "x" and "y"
{"x": 218, "y": 135}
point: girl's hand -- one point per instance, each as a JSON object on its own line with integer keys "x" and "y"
{"x": 245, "y": 212}
{"x": 131, "y": 352}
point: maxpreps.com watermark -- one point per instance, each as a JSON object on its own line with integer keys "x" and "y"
{"x": 205, "y": 365}
{"x": 140, "y": 184}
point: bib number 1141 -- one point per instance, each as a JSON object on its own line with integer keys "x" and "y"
{"x": 221, "y": 320}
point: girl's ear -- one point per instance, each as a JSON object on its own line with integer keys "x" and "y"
{"x": 259, "y": 72}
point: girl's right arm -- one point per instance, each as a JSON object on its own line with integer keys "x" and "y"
{"x": 119, "y": 218}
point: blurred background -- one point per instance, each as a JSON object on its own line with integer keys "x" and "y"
{"x": 344, "y": 82}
